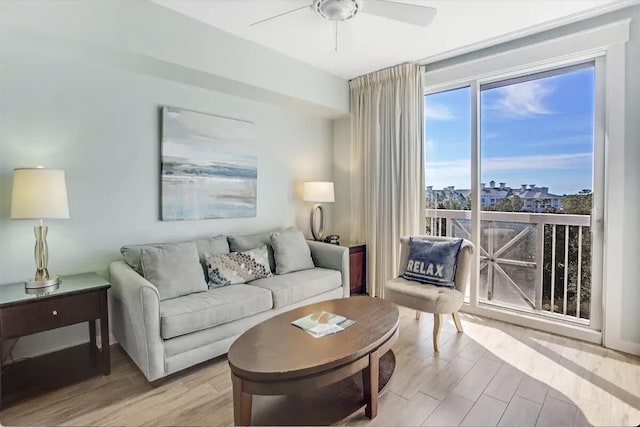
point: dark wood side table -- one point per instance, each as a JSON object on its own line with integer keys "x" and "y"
{"x": 358, "y": 269}
{"x": 79, "y": 298}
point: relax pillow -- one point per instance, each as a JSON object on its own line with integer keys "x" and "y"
{"x": 174, "y": 269}
{"x": 433, "y": 262}
{"x": 238, "y": 267}
{"x": 291, "y": 251}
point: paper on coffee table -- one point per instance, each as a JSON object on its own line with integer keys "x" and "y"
{"x": 322, "y": 323}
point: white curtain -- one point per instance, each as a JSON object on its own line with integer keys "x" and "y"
{"x": 387, "y": 164}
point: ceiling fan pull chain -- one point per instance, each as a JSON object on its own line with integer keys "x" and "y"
{"x": 336, "y": 24}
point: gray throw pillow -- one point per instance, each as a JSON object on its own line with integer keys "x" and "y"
{"x": 205, "y": 245}
{"x": 238, "y": 267}
{"x": 291, "y": 251}
{"x": 252, "y": 241}
{"x": 174, "y": 269}
{"x": 433, "y": 262}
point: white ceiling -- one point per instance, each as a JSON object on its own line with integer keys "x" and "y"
{"x": 368, "y": 43}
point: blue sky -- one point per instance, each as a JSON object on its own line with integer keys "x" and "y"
{"x": 537, "y": 132}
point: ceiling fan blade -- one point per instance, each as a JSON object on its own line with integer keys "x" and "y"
{"x": 403, "y": 12}
{"x": 280, "y": 15}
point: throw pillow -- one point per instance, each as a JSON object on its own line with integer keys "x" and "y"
{"x": 433, "y": 262}
{"x": 291, "y": 251}
{"x": 174, "y": 269}
{"x": 252, "y": 241}
{"x": 238, "y": 267}
{"x": 205, "y": 245}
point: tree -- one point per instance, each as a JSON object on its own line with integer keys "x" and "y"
{"x": 509, "y": 204}
{"x": 579, "y": 204}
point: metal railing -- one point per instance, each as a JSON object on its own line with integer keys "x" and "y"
{"x": 536, "y": 262}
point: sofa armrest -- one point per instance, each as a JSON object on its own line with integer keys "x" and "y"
{"x": 136, "y": 319}
{"x": 336, "y": 257}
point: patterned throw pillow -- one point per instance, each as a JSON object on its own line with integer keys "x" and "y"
{"x": 433, "y": 262}
{"x": 237, "y": 267}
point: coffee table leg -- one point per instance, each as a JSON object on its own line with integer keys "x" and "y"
{"x": 370, "y": 385}
{"x": 241, "y": 403}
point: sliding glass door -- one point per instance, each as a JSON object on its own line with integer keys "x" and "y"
{"x": 515, "y": 164}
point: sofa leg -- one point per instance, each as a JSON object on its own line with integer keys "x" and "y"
{"x": 418, "y": 314}
{"x": 437, "y": 318}
{"x": 456, "y": 320}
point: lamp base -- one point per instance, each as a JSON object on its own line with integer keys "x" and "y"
{"x": 40, "y": 284}
{"x": 317, "y": 222}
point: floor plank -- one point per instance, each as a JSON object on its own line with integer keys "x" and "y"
{"x": 521, "y": 412}
{"x": 473, "y": 384}
{"x": 487, "y": 411}
{"x": 450, "y": 412}
{"x": 555, "y": 412}
{"x": 505, "y": 383}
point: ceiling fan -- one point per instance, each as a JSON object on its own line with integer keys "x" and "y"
{"x": 343, "y": 10}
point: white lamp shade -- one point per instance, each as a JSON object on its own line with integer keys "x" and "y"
{"x": 39, "y": 193}
{"x": 318, "y": 191}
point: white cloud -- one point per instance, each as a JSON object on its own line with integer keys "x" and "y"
{"x": 586, "y": 138}
{"x": 461, "y": 167}
{"x": 458, "y": 172}
{"x": 437, "y": 111}
{"x": 544, "y": 161}
{"x": 429, "y": 145}
{"x": 491, "y": 135}
{"x": 523, "y": 99}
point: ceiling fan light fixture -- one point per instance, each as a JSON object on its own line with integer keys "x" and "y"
{"x": 337, "y": 10}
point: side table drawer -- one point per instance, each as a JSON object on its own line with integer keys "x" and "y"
{"x": 48, "y": 314}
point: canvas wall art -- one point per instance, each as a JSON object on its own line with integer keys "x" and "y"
{"x": 209, "y": 166}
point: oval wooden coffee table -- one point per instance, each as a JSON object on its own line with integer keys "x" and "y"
{"x": 277, "y": 358}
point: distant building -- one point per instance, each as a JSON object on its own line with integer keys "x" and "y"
{"x": 490, "y": 195}
{"x": 534, "y": 199}
{"x": 538, "y": 199}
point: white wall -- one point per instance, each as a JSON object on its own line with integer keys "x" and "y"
{"x": 95, "y": 114}
{"x": 628, "y": 337}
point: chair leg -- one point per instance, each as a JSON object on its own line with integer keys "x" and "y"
{"x": 437, "y": 318}
{"x": 456, "y": 320}
{"x": 418, "y": 314}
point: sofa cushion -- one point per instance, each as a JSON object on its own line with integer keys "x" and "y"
{"x": 217, "y": 306}
{"x": 174, "y": 269}
{"x": 205, "y": 245}
{"x": 291, "y": 251}
{"x": 237, "y": 267}
{"x": 292, "y": 287}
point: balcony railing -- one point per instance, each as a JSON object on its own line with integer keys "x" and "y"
{"x": 536, "y": 262}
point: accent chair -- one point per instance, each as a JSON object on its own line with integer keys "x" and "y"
{"x": 428, "y": 298}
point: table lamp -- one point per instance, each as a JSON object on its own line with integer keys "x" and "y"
{"x": 39, "y": 193}
{"x": 318, "y": 191}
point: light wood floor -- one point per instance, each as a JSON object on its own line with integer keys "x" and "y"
{"x": 493, "y": 374}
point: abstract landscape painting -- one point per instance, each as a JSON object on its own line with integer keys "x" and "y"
{"x": 209, "y": 166}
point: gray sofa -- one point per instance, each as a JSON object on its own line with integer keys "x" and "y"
{"x": 166, "y": 336}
